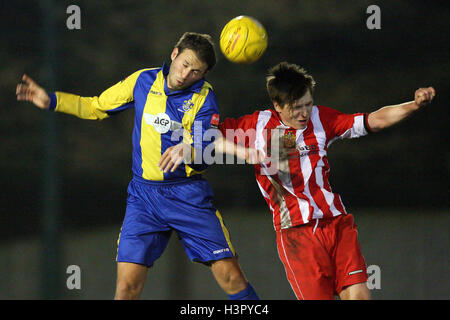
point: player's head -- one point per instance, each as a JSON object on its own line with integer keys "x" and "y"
{"x": 192, "y": 57}
{"x": 201, "y": 44}
{"x": 290, "y": 88}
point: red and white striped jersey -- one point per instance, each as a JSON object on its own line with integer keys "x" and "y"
{"x": 294, "y": 179}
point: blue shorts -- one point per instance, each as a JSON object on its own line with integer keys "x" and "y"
{"x": 154, "y": 209}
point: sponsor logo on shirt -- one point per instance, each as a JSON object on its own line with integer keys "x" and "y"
{"x": 307, "y": 149}
{"x": 161, "y": 122}
{"x": 311, "y": 147}
{"x": 156, "y": 93}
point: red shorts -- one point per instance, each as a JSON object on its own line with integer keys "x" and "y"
{"x": 322, "y": 258}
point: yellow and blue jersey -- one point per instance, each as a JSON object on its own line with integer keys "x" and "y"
{"x": 159, "y": 113}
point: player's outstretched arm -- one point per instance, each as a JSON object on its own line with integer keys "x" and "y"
{"x": 174, "y": 156}
{"x": 250, "y": 155}
{"x": 30, "y": 91}
{"x": 390, "y": 115}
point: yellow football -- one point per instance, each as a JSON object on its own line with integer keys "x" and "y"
{"x": 243, "y": 40}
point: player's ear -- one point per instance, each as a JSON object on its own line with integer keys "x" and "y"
{"x": 174, "y": 54}
{"x": 277, "y": 106}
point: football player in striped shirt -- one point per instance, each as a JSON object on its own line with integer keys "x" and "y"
{"x": 316, "y": 237}
{"x": 167, "y": 101}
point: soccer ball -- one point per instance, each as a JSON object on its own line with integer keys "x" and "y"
{"x": 243, "y": 40}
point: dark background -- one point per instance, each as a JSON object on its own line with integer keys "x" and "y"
{"x": 79, "y": 170}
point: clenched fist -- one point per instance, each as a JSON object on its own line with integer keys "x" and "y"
{"x": 423, "y": 96}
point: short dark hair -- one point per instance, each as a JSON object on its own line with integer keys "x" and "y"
{"x": 288, "y": 82}
{"x": 201, "y": 44}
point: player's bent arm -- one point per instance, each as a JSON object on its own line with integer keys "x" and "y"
{"x": 250, "y": 155}
{"x": 390, "y": 115}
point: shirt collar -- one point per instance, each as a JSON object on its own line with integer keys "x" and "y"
{"x": 196, "y": 87}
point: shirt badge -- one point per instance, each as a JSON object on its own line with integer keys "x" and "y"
{"x": 187, "y": 105}
{"x": 289, "y": 140}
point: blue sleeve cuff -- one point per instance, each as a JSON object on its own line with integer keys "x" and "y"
{"x": 53, "y": 102}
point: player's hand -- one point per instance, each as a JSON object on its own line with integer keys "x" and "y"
{"x": 174, "y": 156}
{"x": 254, "y": 156}
{"x": 29, "y": 90}
{"x": 423, "y": 96}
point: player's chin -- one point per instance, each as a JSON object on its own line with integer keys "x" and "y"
{"x": 182, "y": 86}
{"x": 301, "y": 124}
